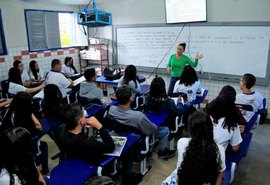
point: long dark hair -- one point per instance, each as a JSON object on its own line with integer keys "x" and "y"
{"x": 16, "y": 156}
{"x": 201, "y": 162}
{"x": 157, "y": 93}
{"x": 33, "y": 68}
{"x": 189, "y": 76}
{"x": 224, "y": 106}
{"x": 20, "y": 112}
{"x": 67, "y": 59}
{"x": 130, "y": 74}
{"x": 14, "y": 75}
{"x": 52, "y": 103}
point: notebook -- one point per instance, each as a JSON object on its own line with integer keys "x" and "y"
{"x": 120, "y": 143}
{"x": 79, "y": 80}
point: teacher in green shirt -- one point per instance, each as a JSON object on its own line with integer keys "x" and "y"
{"x": 176, "y": 64}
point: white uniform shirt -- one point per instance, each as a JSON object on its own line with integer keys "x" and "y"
{"x": 14, "y": 88}
{"x": 182, "y": 88}
{"x": 67, "y": 70}
{"x": 60, "y": 80}
{"x": 5, "y": 178}
{"x": 255, "y": 99}
{"x": 223, "y": 137}
{"x": 40, "y": 74}
{"x": 25, "y": 76}
{"x": 183, "y": 143}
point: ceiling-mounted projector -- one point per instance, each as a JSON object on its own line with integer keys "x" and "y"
{"x": 94, "y": 17}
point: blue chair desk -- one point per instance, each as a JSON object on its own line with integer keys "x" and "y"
{"x": 157, "y": 117}
{"x": 47, "y": 126}
{"x": 93, "y": 109}
{"x": 71, "y": 172}
{"x": 102, "y": 79}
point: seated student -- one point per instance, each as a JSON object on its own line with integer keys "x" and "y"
{"x": 188, "y": 81}
{"x": 249, "y": 97}
{"x": 20, "y": 114}
{"x": 54, "y": 76}
{"x": 26, "y": 81}
{"x": 157, "y": 100}
{"x": 35, "y": 72}
{"x": 130, "y": 79}
{"x": 52, "y": 104}
{"x": 88, "y": 88}
{"x": 17, "y": 166}
{"x": 68, "y": 68}
{"x": 124, "y": 115}
{"x": 200, "y": 159}
{"x": 76, "y": 143}
{"x": 15, "y": 83}
{"x": 225, "y": 118}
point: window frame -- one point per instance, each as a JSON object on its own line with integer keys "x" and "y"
{"x": 27, "y": 31}
{"x": 2, "y": 35}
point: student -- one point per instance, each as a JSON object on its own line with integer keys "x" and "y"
{"x": 76, "y": 143}
{"x": 88, "y": 88}
{"x": 225, "y": 118}
{"x": 130, "y": 79}
{"x": 15, "y": 83}
{"x": 124, "y": 115}
{"x": 68, "y": 68}
{"x": 26, "y": 82}
{"x": 157, "y": 100}
{"x": 188, "y": 82}
{"x": 176, "y": 64}
{"x": 35, "y": 72}
{"x": 52, "y": 105}
{"x": 249, "y": 97}
{"x": 200, "y": 159}
{"x": 20, "y": 114}
{"x": 17, "y": 166}
{"x": 54, "y": 76}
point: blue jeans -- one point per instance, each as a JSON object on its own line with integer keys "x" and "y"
{"x": 172, "y": 83}
{"x": 162, "y": 135}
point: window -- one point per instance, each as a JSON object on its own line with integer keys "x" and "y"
{"x": 49, "y": 29}
{"x": 3, "y": 49}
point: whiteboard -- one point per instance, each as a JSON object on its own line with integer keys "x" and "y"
{"x": 230, "y": 50}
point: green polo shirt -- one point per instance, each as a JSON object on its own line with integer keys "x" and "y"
{"x": 178, "y": 65}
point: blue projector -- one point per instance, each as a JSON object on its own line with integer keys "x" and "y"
{"x": 94, "y": 18}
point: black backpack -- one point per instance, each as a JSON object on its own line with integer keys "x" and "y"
{"x": 112, "y": 74}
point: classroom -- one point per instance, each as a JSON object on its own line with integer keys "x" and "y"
{"x": 119, "y": 91}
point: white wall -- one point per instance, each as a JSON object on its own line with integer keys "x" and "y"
{"x": 153, "y": 11}
{"x": 16, "y": 37}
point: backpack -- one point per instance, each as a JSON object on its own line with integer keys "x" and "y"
{"x": 114, "y": 74}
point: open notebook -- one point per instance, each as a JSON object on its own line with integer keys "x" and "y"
{"x": 79, "y": 80}
{"x": 120, "y": 143}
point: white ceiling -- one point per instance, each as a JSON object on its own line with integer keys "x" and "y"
{"x": 66, "y": 2}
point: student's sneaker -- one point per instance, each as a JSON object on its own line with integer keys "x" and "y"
{"x": 170, "y": 153}
{"x": 166, "y": 154}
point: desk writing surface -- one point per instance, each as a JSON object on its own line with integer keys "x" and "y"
{"x": 102, "y": 79}
{"x": 157, "y": 117}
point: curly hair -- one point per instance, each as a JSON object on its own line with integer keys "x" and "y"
{"x": 201, "y": 161}
{"x": 224, "y": 106}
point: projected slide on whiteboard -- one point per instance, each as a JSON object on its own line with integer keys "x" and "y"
{"x": 180, "y": 11}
